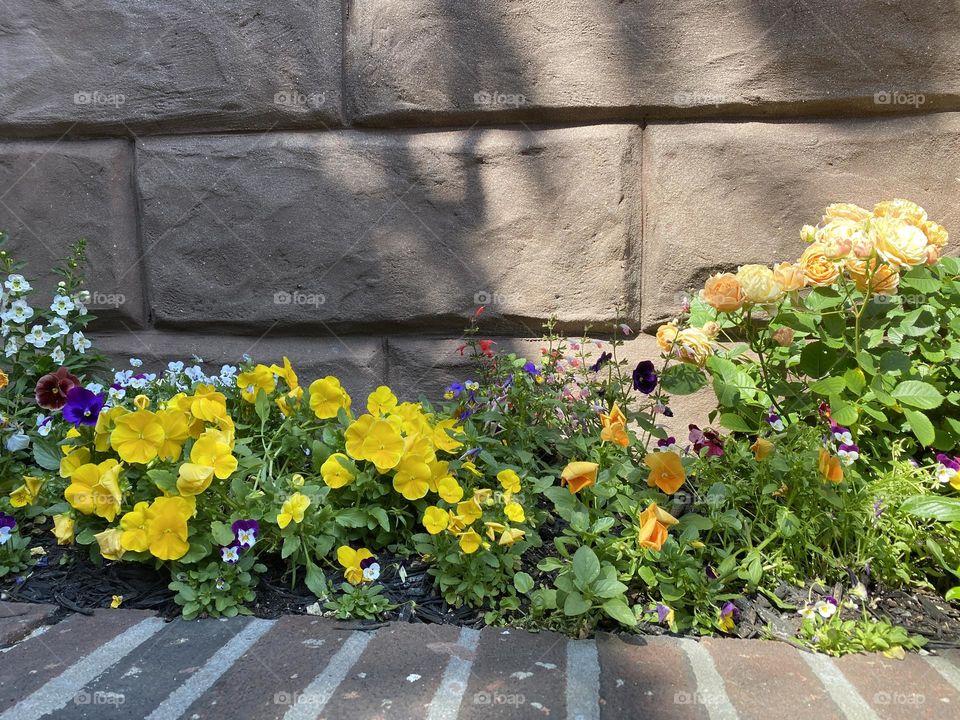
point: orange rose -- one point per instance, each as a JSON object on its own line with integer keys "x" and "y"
{"x": 883, "y": 280}
{"x": 666, "y": 471}
{"x": 819, "y": 270}
{"x": 654, "y": 525}
{"x": 789, "y": 276}
{"x": 667, "y": 336}
{"x": 723, "y": 292}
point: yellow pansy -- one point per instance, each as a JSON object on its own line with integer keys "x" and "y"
{"x": 469, "y": 511}
{"x": 442, "y": 438}
{"x": 291, "y": 399}
{"x": 381, "y": 401}
{"x": 194, "y": 479}
{"x": 106, "y": 422}
{"x": 137, "y": 436}
{"x": 327, "y": 396}
{"x": 336, "y": 471}
{"x": 355, "y": 434}
{"x": 412, "y": 479}
{"x": 27, "y": 493}
{"x": 207, "y": 403}
{"x": 514, "y": 511}
{"x": 449, "y": 489}
{"x": 470, "y": 542}
{"x": 212, "y": 450}
{"x": 471, "y": 468}
{"x": 252, "y": 381}
{"x": 353, "y": 562}
{"x": 134, "y": 527}
{"x": 435, "y": 520}
{"x": 116, "y": 601}
{"x": 509, "y": 480}
{"x": 95, "y": 489}
{"x": 79, "y": 456}
{"x": 109, "y": 542}
{"x": 383, "y": 446}
{"x": 293, "y": 509}
{"x": 492, "y": 528}
{"x": 63, "y": 528}
{"x": 167, "y": 528}
{"x": 175, "y": 434}
{"x": 511, "y": 535}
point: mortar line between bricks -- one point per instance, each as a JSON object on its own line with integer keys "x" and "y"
{"x": 200, "y": 681}
{"x": 844, "y": 695}
{"x": 57, "y": 692}
{"x": 711, "y": 690}
{"x": 453, "y": 685}
{"x": 583, "y": 680}
{"x": 310, "y": 703}
{"x": 948, "y": 671}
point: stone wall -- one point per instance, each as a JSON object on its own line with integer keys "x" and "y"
{"x": 344, "y": 182}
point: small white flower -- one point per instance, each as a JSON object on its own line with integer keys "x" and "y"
{"x": 807, "y": 612}
{"x": 62, "y": 305}
{"x": 115, "y": 395}
{"x": 137, "y": 383}
{"x": 136, "y": 362}
{"x": 4, "y": 534}
{"x": 44, "y": 425}
{"x": 58, "y": 327}
{"x": 371, "y": 572}
{"x": 17, "y": 441}
{"x": 80, "y": 343}
{"x": 17, "y": 284}
{"x": 825, "y": 609}
{"x": 58, "y": 356}
{"x": 38, "y": 337}
{"x": 945, "y": 474}
{"x": 95, "y": 388}
{"x": 18, "y": 313}
{"x": 175, "y": 367}
{"x": 195, "y": 373}
{"x": 12, "y": 348}
{"x": 777, "y": 425}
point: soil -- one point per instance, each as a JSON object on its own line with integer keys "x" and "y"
{"x": 65, "y": 576}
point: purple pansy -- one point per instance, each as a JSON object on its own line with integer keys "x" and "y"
{"x": 83, "y": 407}
{"x": 708, "y": 439}
{"x": 370, "y": 568}
{"x": 644, "y": 377}
{"x": 848, "y": 453}
{"x": 948, "y": 468}
{"x": 532, "y": 370}
{"x": 604, "y": 358}
{"x": 230, "y": 553}
{"x": 841, "y": 434}
{"x": 7, "y": 524}
{"x": 774, "y": 420}
{"x": 246, "y": 532}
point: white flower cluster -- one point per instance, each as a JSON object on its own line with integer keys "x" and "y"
{"x": 178, "y": 375}
{"x": 47, "y": 332}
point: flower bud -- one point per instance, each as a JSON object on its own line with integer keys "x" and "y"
{"x": 783, "y": 336}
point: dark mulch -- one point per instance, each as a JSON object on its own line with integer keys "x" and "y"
{"x": 65, "y": 576}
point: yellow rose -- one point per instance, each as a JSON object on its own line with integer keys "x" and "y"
{"x": 694, "y": 346}
{"x": 899, "y": 243}
{"x": 758, "y": 283}
{"x": 936, "y": 234}
{"x": 819, "y": 270}
{"x": 789, "y": 276}
{"x": 848, "y": 211}
{"x": 667, "y": 336}
{"x": 883, "y": 280}
{"x": 839, "y": 236}
{"x": 723, "y": 292}
{"x": 902, "y": 210}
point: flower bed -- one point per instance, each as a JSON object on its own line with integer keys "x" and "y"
{"x": 541, "y": 493}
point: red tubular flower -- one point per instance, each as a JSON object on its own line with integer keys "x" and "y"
{"x": 52, "y": 389}
{"x": 486, "y": 347}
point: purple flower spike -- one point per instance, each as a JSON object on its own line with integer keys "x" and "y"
{"x": 83, "y": 407}
{"x": 230, "y": 553}
{"x": 246, "y": 532}
{"x": 644, "y": 377}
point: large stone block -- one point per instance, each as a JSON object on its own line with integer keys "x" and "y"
{"x": 365, "y": 231}
{"x": 109, "y": 65}
{"x": 718, "y": 195}
{"x": 359, "y": 362}
{"x": 53, "y": 194}
{"x": 449, "y": 61}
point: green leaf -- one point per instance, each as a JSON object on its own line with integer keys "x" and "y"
{"x": 620, "y": 611}
{"x": 933, "y": 507}
{"x": 608, "y": 588}
{"x": 682, "y": 379}
{"x": 918, "y": 394}
{"x": 222, "y": 533}
{"x": 895, "y": 361}
{"x": 829, "y": 386}
{"x": 855, "y": 380}
{"x": 816, "y": 359}
{"x": 352, "y": 518}
{"x": 586, "y": 566}
{"x": 732, "y": 421}
{"x": 575, "y": 605}
{"x": 316, "y": 581}
{"x": 46, "y": 454}
{"x": 921, "y": 426}
{"x": 291, "y": 544}
{"x": 523, "y": 582}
